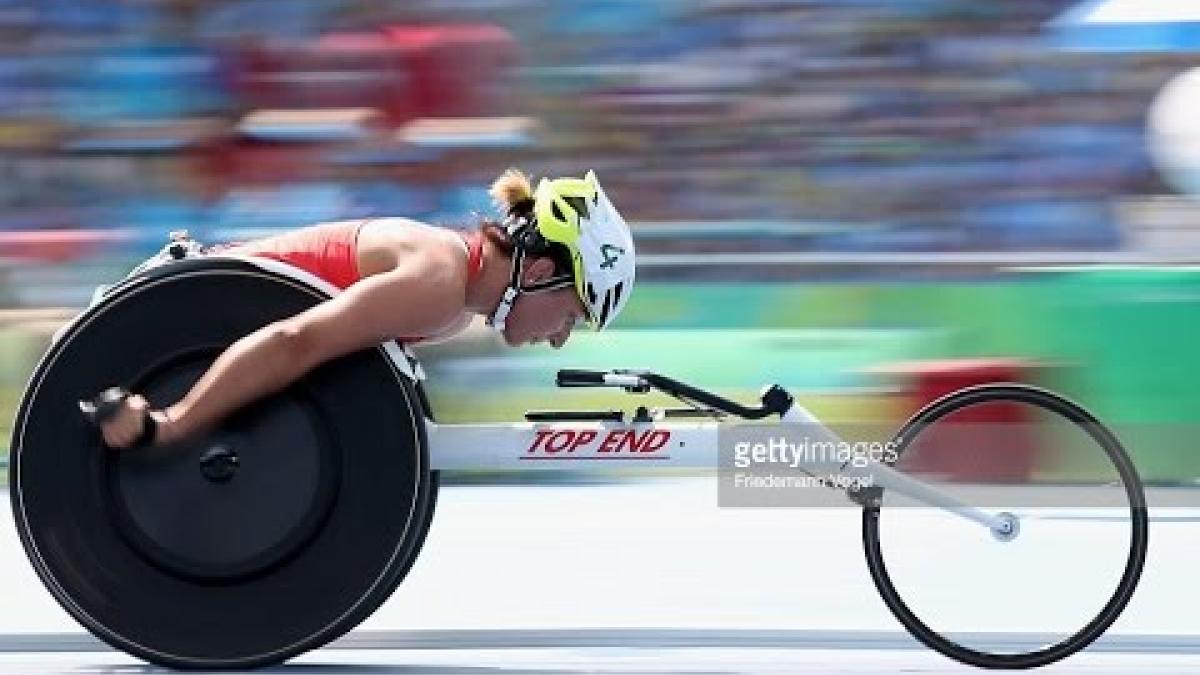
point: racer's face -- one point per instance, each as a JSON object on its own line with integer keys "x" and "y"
{"x": 546, "y": 316}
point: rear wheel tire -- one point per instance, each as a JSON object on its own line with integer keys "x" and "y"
{"x": 180, "y": 555}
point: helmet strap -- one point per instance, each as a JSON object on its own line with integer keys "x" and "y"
{"x": 515, "y": 288}
{"x": 500, "y": 314}
{"x": 551, "y": 284}
{"x": 498, "y": 317}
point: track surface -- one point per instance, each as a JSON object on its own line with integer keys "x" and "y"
{"x": 714, "y": 661}
{"x": 645, "y": 577}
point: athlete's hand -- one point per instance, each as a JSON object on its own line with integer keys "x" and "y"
{"x": 128, "y": 424}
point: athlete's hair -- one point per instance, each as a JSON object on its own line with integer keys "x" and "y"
{"x": 512, "y": 193}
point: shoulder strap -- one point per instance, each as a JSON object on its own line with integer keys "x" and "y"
{"x": 474, "y": 242}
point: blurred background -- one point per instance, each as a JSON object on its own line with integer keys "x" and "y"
{"x": 867, "y": 201}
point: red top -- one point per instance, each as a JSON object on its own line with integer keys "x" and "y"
{"x": 330, "y": 251}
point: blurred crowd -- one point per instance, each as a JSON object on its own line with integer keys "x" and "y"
{"x": 884, "y": 126}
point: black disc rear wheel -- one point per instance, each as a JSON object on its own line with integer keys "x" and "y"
{"x": 273, "y": 534}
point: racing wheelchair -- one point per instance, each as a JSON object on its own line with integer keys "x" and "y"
{"x": 293, "y": 521}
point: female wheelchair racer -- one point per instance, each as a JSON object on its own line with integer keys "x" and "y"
{"x": 563, "y": 251}
{"x": 273, "y": 527}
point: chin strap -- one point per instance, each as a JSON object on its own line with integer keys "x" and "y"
{"x": 496, "y": 320}
{"x": 515, "y": 288}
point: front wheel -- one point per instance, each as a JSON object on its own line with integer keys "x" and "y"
{"x": 1077, "y": 554}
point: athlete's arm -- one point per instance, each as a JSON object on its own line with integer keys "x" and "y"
{"x": 449, "y": 332}
{"x": 417, "y": 298}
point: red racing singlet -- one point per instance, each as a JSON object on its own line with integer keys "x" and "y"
{"x": 330, "y": 251}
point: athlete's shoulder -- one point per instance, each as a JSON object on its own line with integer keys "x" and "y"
{"x": 434, "y": 256}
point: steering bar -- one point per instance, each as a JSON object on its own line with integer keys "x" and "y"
{"x": 774, "y": 399}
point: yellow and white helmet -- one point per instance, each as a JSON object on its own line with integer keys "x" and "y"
{"x": 576, "y": 214}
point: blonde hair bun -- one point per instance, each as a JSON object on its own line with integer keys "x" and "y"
{"x": 510, "y": 189}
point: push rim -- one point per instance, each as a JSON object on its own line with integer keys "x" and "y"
{"x": 394, "y": 515}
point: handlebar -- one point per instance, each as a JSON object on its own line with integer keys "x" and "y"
{"x": 572, "y": 377}
{"x": 630, "y": 380}
{"x": 774, "y": 400}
